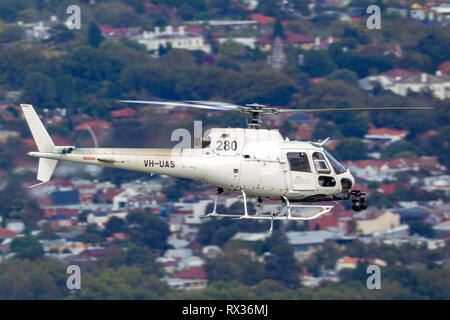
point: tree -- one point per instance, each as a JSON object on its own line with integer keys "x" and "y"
{"x": 318, "y": 63}
{"x": 123, "y": 283}
{"x": 421, "y": 228}
{"x": 148, "y": 229}
{"x": 281, "y": 266}
{"x": 232, "y": 49}
{"x": 324, "y": 129}
{"x": 348, "y": 76}
{"x": 400, "y": 149}
{"x": 143, "y": 258}
{"x": 11, "y": 33}
{"x": 235, "y": 266}
{"x": 186, "y": 12}
{"x": 351, "y": 149}
{"x": 436, "y": 45}
{"x": 34, "y": 280}
{"x": 27, "y": 247}
{"x": 39, "y": 89}
{"x": 114, "y": 225}
{"x": 94, "y": 35}
{"x": 278, "y": 30}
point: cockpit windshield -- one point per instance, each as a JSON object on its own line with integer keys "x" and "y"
{"x": 338, "y": 168}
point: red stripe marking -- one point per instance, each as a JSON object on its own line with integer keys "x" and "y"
{"x": 88, "y": 158}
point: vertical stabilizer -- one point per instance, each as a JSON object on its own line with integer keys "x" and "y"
{"x": 43, "y": 142}
{"x": 40, "y": 135}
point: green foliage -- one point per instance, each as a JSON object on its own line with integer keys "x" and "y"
{"x": 232, "y": 49}
{"x": 114, "y": 225}
{"x": 361, "y": 64}
{"x": 123, "y": 283}
{"x": 281, "y": 266}
{"x": 11, "y": 33}
{"x": 345, "y": 75}
{"x": 40, "y": 89}
{"x": 235, "y": 266}
{"x": 94, "y": 35}
{"x": 32, "y": 280}
{"x": 436, "y": 45}
{"x": 147, "y": 229}
{"x": 324, "y": 129}
{"x": 9, "y": 9}
{"x": 27, "y": 247}
{"x": 219, "y": 231}
{"x": 318, "y": 63}
{"x": 399, "y": 149}
{"x": 421, "y": 228}
{"x": 278, "y": 30}
{"x": 351, "y": 149}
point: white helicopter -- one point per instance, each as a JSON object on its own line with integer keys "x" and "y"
{"x": 254, "y": 162}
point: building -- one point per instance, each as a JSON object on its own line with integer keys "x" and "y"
{"x": 60, "y": 221}
{"x": 175, "y": 38}
{"x": 369, "y": 222}
{"x": 278, "y": 59}
{"x": 251, "y": 236}
{"x": 101, "y": 218}
{"x": 39, "y": 30}
{"x": 266, "y": 43}
{"x": 307, "y": 242}
{"x": 112, "y": 33}
{"x": 7, "y": 234}
{"x": 438, "y": 85}
{"x": 351, "y": 263}
{"x": 385, "y": 136}
{"x": 189, "y": 279}
{"x": 402, "y": 82}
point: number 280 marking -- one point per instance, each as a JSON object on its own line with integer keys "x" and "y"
{"x": 226, "y": 145}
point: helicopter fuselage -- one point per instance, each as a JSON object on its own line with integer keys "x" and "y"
{"x": 257, "y": 161}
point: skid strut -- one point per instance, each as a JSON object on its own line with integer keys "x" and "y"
{"x": 273, "y": 216}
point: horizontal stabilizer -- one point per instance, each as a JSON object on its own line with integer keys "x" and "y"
{"x": 46, "y": 168}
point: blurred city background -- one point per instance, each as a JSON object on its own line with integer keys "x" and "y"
{"x": 137, "y": 236}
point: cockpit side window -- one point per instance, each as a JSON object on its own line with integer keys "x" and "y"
{"x": 320, "y": 164}
{"x": 338, "y": 168}
{"x": 298, "y": 161}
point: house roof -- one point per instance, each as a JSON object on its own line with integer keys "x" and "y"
{"x": 387, "y": 188}
{"x": 109, "y": 194}
{"x": 427, "y": 79}
{"x": 262, "y": 18}
{"x": 125, "y": 112}
{"x": 387, "y": 131}
{"x": 192, "y": 273}
{"x": 7, "y": 234}
{"x": 397, "y": 72}
{"x": 65, "y": 197}
{"x": 308, "y": 237}
{"x": 366, "y": 163}
{"x": 444, "y": 67}
{"x": 291, "y": 37}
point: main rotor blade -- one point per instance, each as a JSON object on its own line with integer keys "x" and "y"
{"x": 177, "y": 104}
{"x": 218, "y": 104}
{"x": 351, "y": 109}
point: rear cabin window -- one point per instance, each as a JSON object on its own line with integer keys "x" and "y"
{"x": 320, "y": 163}
{"x": 298, "y": 161}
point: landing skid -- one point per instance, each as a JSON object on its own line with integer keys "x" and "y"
{"x": 272, "y": 216}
